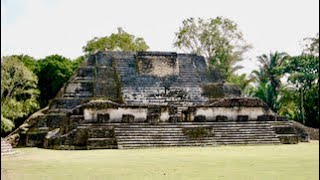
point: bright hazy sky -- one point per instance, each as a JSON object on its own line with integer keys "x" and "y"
{"x": 44, "y": 27}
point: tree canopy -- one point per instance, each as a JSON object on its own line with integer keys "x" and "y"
{"x": 219, "y": 40}
{"x": 18, "y": 92}
{"x": 303, "y": 76}
{"x": 53, "y": 71}
{"x": 121, "y": 41}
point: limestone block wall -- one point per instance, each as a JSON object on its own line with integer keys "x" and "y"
{"x": 115, "y": 114}
{"x": 158, "y": 78}
{"x": 232, "y": 113}
{"x": 230, "y": 109}
{"x": 143, "y": 78}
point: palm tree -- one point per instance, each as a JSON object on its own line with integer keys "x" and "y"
{"x": 268, "y": 78}
{"x": 242, "y": 81}
{"x": 270, "y": 65}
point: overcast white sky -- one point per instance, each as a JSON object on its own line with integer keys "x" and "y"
{"x": 44, "y": 27}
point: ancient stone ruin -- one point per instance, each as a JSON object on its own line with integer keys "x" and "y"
{"x": 152, "y": 99}
{"x": 6, "y": 148}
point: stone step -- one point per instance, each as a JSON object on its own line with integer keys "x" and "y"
{"x": 177, "y": 143}
{"x": 216, "y": 130}
{"x": 196, "y": 125}
{"x": 99, "y": 139}
{"x": 166, "y": 141}
{"x": 101, "y": 143}
{"x": 141, "y": 138}
{"x": 136, "y": 135}
{"x": 134, "y": 143}
{"x": 129, "y": 146}
{"x": 182, "y": 134}
{"x": 182, "y": 124}
{"x": 248, "y": 142}
{"x": 160, "y": 145}
{"x": 124, "y": 141}
{"x": 6, "y": 148}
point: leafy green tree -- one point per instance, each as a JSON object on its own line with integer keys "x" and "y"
{"x": 78, "y": 61}
{"x": 265, "y": 92}
{"x": 289, "y": 103}
{"x": 18, "y": 92}
{"x": 303, "y": 78}
{"x": 268, "y": 78}
{"x": 243, "y": 82}
{"x": 303, "y": 75}
{"x": 53, "y": 71}
{"x": 122, "y": 41}
{"x": 27, "y": 60}
{"x": 219, "y": 40}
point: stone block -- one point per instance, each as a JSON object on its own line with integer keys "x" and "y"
{"x": 200, "y": 118}
{"x": 285, "y": 130}
{"x": 153, "y": 118}
{"x": 289, "y": 139}
{"x": 54, "y": 120}
{"x": 101, "y": 133}
{"x": 221, "y": 118}
{"x": 127, "y": 118}
{"x": 266, "y": 118}
{"x": 79, "y": 138}
{"x": 85, "y": 73}
{"x": 103, "y": 118}
{"x": 35, "y": 138}
{"x": 174, "y": 119}
{"x": 242, "y": 118}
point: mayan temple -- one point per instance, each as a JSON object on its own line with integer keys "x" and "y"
{"x": 152, "y": 99}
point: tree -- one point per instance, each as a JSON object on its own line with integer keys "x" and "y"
{"x": 122, "y": 41}
{"x": 268, "y": 78}
{"x": 28, "y": 61}
{"x": 219, "y": 40}
{"x": 289, "y": 103}
{"x": 243, "y": 82}
{"x": 18, "y": 92}
{"x": 53, "y": 71}
{"x": 311, "y": 45}
{"x": 303, "y": 75}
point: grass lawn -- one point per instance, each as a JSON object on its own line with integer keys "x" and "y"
{"x": 290, "y": 162}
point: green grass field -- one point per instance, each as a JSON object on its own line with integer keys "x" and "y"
{"x": 290, "y": 162}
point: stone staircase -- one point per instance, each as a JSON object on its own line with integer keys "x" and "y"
{"x": 6, "y": 148}
{"x": 287, "y": 133}
{"x": 251, "y": 132}
{"x": 165, "y": 135}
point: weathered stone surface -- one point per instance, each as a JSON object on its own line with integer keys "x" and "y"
{"x": 200, "y": 118}
{"x": 242, "y": 118}
{"x": 6, "y": 148}
{"x": 127, "y": 118}
{"x": 289, "y": 139}
{"x": 285, "y": 130}
{"x": 103, "y": 118}
{"x": 239, "y": 102}
{"x": 198, "y": 132}
{"x": 221, "y": 118}
{"x": 35, "y": 137}
{"x": 266, "y": 118}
